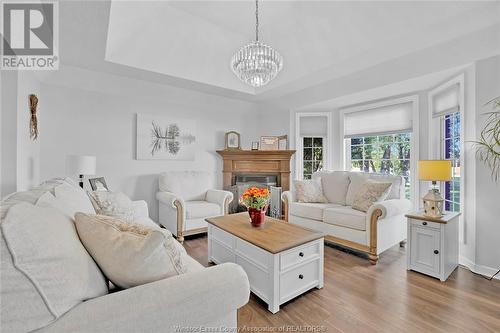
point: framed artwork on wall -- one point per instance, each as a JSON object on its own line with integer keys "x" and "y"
{"x": 161, "y": 137}
{"x": 232, "y": 140}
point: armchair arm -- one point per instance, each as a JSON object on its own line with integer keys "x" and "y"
{"x": 140, "y": 208}
{"x": 220, "y": 197}
{"x": 187, "y": 300}
{"x": 175, "y": 210}
{"x": 287, "y": 197}
{"x": 391, "y": 207}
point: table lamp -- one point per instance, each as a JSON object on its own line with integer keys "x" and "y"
{"x": 434, "y": 170}
{"x": 80, "y": 165}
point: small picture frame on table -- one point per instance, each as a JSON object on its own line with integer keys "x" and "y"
{"x": 98, "y": 184}
{"x": 232, "y": 141}
{"x": 269, "y": 143}
{"x": 255, "y": 145}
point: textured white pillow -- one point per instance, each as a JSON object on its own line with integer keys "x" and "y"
{"x": 44, "y": 245}
{"x": 369, "y": 193}
{"x": 130, "y": 254}
{"x": 309, "y": 191}
{"x": 74, "y": 199}
{"x": 114, "y": 204}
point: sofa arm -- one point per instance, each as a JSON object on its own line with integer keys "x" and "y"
{"x": 187, "y": 300}
{"x": 391, "y": 207}
{"x": 287, "y": 197}
{"x": 172, "y": 213}
{"x": 168, "y": 198}
{"x": 140, "y": 208}
{"x": 221, "y": 198}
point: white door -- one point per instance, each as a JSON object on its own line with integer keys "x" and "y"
{"x": 425, "y": 250}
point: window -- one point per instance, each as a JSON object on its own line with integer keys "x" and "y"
{"x": 451, "y": 151}
{"x": 312, "y": 153}
{"x": 389, "y": 154}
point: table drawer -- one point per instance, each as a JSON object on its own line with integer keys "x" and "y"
{"x": 425, "y": 224}
{"x": 299, "y": 279}
{"x": 298, "y": 255}
{"x": 220, "y": 252}
{"x": 222, "y": 236}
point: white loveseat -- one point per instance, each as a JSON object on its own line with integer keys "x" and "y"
{"x": 186, "y": 199}
{"x": 373, "y": 232}
{"x": 38, "y": 294}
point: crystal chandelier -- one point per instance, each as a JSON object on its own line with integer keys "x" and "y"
{"x": 256, "y": 63}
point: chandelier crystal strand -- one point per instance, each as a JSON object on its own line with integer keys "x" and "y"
{"x": 256, "y": 63}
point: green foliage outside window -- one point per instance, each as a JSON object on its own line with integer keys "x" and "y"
{"x": 389, "y": 154}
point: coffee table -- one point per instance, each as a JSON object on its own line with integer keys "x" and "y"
{"x": 282, "y": 260}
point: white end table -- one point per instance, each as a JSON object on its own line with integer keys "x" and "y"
{"x": 432, "y": 244}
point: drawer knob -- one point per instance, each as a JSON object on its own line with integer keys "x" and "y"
{"x": 301, "y": 276}
{"x": 436, "y": 252}
{"x": 301, "y": 254}
{"x": 424, "y": 223}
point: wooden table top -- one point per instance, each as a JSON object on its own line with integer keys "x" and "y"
{"x": 274, "y": 236}
{"x": 447, "y": 216}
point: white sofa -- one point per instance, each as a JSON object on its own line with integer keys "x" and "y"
{"x": 206, "y": 297}
{"x": 373, "y": 232}
{"x": 186, "y": 199}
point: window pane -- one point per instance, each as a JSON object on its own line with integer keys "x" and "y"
{"x": 317, "y": 166}
{"x": 307, "y": 142}
{"x": 318, "y": 142}
{"x": 307, "y": 167}
{"x": 356, "y": 141}
{"x": 388, "y": 154}
{"x": 307, "y": 176}
{"x": 318, "y": 154}
{"x": 356, "y": 152}
{"x": 308, "y": 154}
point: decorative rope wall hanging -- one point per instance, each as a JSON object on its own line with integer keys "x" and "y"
{"x": 34, "y": 120}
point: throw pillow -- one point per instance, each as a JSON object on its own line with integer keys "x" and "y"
{"x": 130, "y": 254}
{"x": 114, "y": 204}
{"x": 369, "y": 193}
{"x": 45, "y": 247}
{"x": 309, "y": 191}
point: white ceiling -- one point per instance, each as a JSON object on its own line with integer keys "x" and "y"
{"x": 319, "y": 40}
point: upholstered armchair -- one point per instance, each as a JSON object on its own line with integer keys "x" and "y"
{"x": 186, "y": 200}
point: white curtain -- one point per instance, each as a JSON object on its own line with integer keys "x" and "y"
{"x": 396, "y": 118}
{"x": 446, "y": 101}
{"x": 313, "y": 126}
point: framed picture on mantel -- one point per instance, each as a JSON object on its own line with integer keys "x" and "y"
{"x": 269, "y": 143}
{"x": 232, "y": 140}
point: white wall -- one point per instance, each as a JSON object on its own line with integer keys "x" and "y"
{"x": 19, "y": 154}
{"x": 488, "y": 191}
{"x": 91, "y": 113}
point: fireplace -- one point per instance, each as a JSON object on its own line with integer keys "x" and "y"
{"x": 244, "y": 168}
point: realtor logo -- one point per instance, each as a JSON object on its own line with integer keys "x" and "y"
{"x": 30, "y": 35}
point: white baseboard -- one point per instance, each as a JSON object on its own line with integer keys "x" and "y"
{"x": 479, "y": 269}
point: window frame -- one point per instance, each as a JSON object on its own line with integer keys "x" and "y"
{"x": 436, "y": 135}
{"x": 414, "y": 140}
{"x": 327, "y": 147}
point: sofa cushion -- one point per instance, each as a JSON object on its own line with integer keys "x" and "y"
{"x": 201, "y": 209}
{"x": 312, "y": 211}
{"x": 345, "y": 216}
{"x": 63, "y": 272}
{"x": 188, "y": 185}
{"x": 309, "y": 191}
{"x": 130, "y": 254}
{"x": 370, "y": 192}
{"x": 74, "y": 199}
{"x": 114, "y": 204}
{"x": 359, "y": 178}
{"x": 335, "y": 185}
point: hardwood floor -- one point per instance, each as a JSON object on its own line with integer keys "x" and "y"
{"x": 359, "y": 297}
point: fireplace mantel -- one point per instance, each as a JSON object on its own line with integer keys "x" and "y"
{"x": 258, "y": 162}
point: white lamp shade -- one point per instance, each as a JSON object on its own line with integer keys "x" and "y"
{"x": 80, "y": 165}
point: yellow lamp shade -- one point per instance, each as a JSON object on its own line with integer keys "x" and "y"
{"x": 434, "y": 170}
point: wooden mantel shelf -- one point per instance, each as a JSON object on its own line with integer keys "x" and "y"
{"x": 257, "y": 161}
